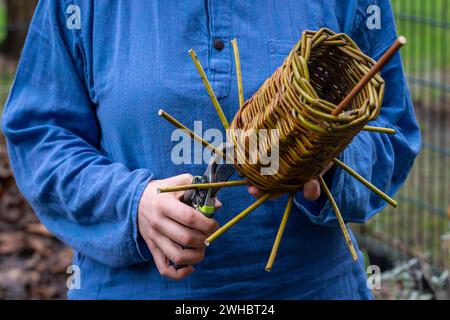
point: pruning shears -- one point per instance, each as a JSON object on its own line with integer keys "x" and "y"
{"x": 204, "y": 199}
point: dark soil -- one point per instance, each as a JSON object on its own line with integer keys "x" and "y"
{"x": 33, "y": 262}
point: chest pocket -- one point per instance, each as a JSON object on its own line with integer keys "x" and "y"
{"x": 278, "y": 52}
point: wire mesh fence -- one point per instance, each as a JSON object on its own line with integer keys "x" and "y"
{"x": 420, "y": 227}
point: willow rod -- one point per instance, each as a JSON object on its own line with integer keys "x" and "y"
{"x": 369, "y": 75}
{"x": 207, "y": 84}
{"x": 181, "y": 126}
{"x": 237, "y": 61}
{"x": 358, "y": 177}
{"x": 236, "y": 219}
{"x": 276, "y": 243}
{"x": 342, "y": 225}
{"x": 379, "y": 129}
{"x": 199, "y": 186}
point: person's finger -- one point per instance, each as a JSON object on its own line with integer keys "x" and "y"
{"x": 311, "y": 190}
{"x": 179, "y": 233}
{"x": 175, "y": 253}
{"x": 188, "y": 216}
{"x": 255, "y": 191}
{"x": 179, "y": 180}
{"x": 217, "y": 204}
{"x": 163, "y": 266}
{"x": 258, "y": 193}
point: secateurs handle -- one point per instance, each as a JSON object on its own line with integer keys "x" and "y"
{"x": 201, "y": 200}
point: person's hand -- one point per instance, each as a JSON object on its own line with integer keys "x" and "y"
{"x": 311, "y": 189}
{"x": 167, "y": 224}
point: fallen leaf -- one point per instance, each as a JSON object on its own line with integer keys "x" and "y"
{"x": 12, "y": 242}
{"x": 38, "y": 228}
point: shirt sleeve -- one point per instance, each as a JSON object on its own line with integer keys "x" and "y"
{"x": 383, "y": 159}
{"x": 52, "y": 132}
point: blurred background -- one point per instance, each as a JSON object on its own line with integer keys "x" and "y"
{"x": 411, "y": 244}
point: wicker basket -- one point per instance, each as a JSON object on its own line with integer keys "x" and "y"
{"x": 298, "y": 100}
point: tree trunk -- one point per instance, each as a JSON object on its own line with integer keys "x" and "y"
{"x": 19, "y": 15}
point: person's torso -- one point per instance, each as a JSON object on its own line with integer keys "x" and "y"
{"x": 137, "y": 62}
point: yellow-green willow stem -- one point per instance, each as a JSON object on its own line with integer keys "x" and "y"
{"x": 236, "y": 219}
{"x": 237, "y": 61}
{"x": 197, "y": 138}
{"x": 280, "y": 232}
{"x": 379, "y": 129}
{"x": 207, "y": 84}
{"x": 342, "y": 225}
{"x": 212, "y": 185}
{"x": 369, "y": 185}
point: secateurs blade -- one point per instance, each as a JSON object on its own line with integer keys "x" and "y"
{"x": 204, "y": 200}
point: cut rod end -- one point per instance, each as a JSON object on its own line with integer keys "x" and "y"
{"x": 402, "y": 40}
{"x": 352, "y": 250}
{"x": 268, "y": 269}
{"x": 393, "y": 203}
{"x": 160, "y": 112}
{"x": 207, "y": 243}
{"x": 192, "y": 53}
{"x": 354, "y": 255}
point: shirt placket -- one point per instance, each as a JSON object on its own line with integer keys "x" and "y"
{"x": 220, "y": 51}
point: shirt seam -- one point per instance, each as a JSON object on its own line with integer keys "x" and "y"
{"x": 80, "y": 39}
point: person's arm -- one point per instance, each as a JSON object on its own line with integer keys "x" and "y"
{"x": 52, "y": 134}
{"x": 101, "y": 209}
{"x": 383, "y": 159}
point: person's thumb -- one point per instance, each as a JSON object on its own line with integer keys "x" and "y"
{"x": 179, "y": 180}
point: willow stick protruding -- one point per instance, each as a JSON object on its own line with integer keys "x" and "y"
{"x": 197, "y": 138}
{"x": 280, "y": 232}
{"x": 379, "y": 129}
{"x": 342, "y": 225}
{"x": 236, "y": 219}
{"x": 237, "y": 61}
{"x": 358, "y": 177}
{"x": 369, "y": 75}
{"x": 211, "y": 93}
{"x": 199, "y": 186}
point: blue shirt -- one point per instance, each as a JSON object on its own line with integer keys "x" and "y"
{"x": 85, "y": 139}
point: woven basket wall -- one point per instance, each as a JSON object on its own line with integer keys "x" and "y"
{"x": 298, "y": 100}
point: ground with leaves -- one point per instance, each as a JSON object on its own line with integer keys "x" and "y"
{"x": 32, "y": 262}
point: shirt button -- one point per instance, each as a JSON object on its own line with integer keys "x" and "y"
{"x": 218, "y": 44}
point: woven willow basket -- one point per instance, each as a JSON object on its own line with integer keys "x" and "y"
{"x": 298, "y": 100}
